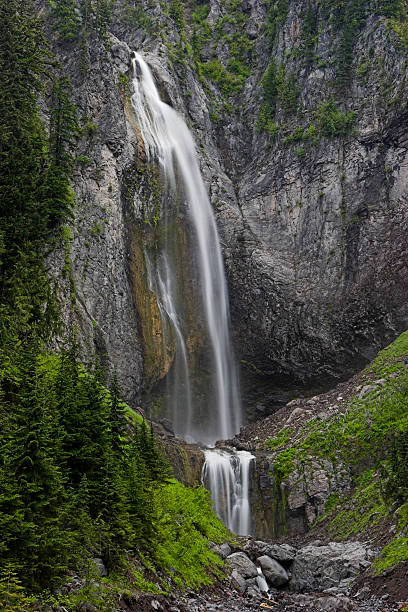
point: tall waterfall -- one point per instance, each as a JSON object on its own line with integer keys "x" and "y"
{"x": 226, "y": 474}
{"x": 208, "y": 409}
{"x": 201, "y": 412}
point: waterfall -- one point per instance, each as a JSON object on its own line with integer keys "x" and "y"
{"x": 209, "y": 411}
{"x": 226, "y": 475}
{"x": 201, "y": 412}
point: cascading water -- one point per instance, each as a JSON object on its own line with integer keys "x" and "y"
{"x": 226, "y": 475}
{"x": 201, "y": 412}
{"x": 168, "y": 141}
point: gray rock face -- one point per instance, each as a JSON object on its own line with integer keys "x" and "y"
{"x": 313, "y": 233}
{"x": 243, "y": 565}
{"x": 293, "y": 507}
{"x": 92, "y": 268}
{"x": 275, "y": 574}
{"x": 317, "y": 568}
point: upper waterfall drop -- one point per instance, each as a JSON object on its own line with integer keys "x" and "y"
{"x": 215, "y": 412}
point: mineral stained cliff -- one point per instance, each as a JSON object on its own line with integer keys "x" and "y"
{"x": 313, "y": 218}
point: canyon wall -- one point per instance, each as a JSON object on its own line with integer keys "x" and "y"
{"x": 300, "y": 121}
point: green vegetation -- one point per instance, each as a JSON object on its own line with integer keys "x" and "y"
{"x": 277, "y": 88}
{"x": 280, "y": 440}
{"x": 230, "y": 30}
{"x": 392, "y": 8}
{"x": 370, "y": 437}
{"x": 309, "y": 35}
{"x": 276, "y": 17}
{"x": 333, "y": 122}
{"x": 365, "y": 509}
{"x": 227, "y": 82}
{"x": 69, "y": 24}
{"x": 284, "y": 463}
{"x": 65, "y": 20}
{"x": 201, "y": 13}
{"x": 183, "y": 522}
{"x": 393, "y": 553}
{"x": 80, "y": 473}
{"x": 132, "y": 15}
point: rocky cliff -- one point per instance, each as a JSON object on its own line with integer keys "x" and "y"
{"x": 299, "y": 114}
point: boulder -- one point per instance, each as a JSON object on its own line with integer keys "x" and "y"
{"x": 281, "y": 552}
{"x": 243, "y": 564}
{"x": 275, "y": 574}
{"x": 238, "y": 582}
{"x": 223, "y": 550}
{"x": 317, "y": 568}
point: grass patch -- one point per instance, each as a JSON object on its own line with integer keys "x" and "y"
{"x": 184, "y": 524}
{"x": 365, "y": 509}
{"x": 280, "y": 440}
{"x": 390, "y": 359}
{"x": 391, "y": 555}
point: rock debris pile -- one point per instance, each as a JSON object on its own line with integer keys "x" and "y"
{"x": 327, "y": 568}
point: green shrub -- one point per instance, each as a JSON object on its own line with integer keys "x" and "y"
{"x": 332, "y": 121}
{"x": 228, "y": 83}
{"x": 391, "y": 555}
{"x": 201, "y": 13}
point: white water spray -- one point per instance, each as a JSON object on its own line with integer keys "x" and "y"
{"x": 261, "y": 581}
{"x": 168, "y": 141}
{"x": 226, "y": 475}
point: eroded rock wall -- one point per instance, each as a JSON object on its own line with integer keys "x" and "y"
{"x": 313, "y": 229}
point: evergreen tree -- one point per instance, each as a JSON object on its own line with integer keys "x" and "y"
{"x": 117, "y": 419}
{"x": 65, "y": 19}
{"x": 33, "y": 481}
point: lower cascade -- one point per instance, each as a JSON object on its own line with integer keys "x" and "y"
{"x": 226, "y": 475}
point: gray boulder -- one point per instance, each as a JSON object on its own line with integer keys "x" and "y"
{"x": 275, "y": 574}
{"x": 281, "y": 552}
{"x": 223, "y": 550}
{"x": 242, "y": 564}
{"x": 238, "y": 582}
{"x": 317, "y": 568}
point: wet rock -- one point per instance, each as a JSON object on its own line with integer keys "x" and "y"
{"x": 243, "y": 564}
{"x": 275, "y": 574}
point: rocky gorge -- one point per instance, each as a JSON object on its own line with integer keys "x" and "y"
{"x": 298, "y": 115}
{"x": 304, "y": 221}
